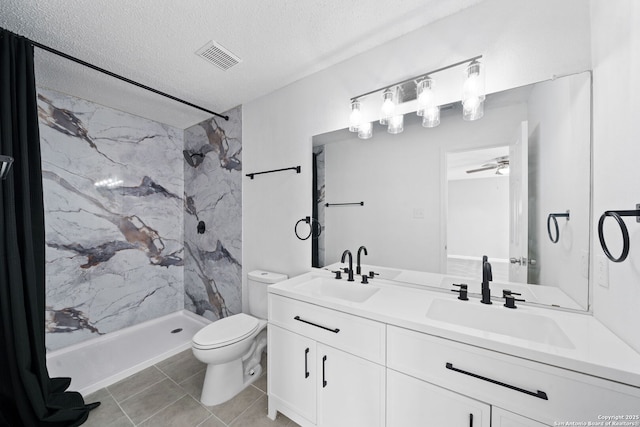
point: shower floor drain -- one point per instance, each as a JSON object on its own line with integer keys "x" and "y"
{"x": 176, "y": 330}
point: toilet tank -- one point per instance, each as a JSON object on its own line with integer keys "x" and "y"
{"x": 257, "y": 282}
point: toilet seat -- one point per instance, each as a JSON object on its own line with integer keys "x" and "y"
{"x": 226, "y": 331}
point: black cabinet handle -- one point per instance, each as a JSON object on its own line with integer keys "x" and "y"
{"x": 306, "y": 357}
{"x": 539, "y": 394}
{"x": 334, "y": 330}
{"x": 324, "y": 381}
{"x": 470, "y": 420}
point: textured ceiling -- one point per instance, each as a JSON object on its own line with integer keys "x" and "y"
{"x": 153, "y": 42}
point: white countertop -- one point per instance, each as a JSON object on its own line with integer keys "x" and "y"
{"x": 597, "y": 351}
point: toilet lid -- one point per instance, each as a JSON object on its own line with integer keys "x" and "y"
{"x": 226, "y": 331}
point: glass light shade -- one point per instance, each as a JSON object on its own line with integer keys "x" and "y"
{"x": 355, "y": 118}
{"x": 396, "y": 124}
{"x": 425, "y": 95}
{"x": 388, "y": 107}
{"x": 431, "y": 117}
{"x": 473, "y": 92}
{"x": 473, "y": 109}
{"x": 365, "y": 131}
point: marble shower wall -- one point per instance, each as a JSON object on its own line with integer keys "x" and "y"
{"x": 113, "y": 186}
{"x": 213, "y": 195}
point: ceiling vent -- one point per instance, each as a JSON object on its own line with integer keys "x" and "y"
{"x": 217, "y": 55}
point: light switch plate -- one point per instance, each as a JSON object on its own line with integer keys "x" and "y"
{"x": 602, "y": 271}
{"x": 584, "y": 264}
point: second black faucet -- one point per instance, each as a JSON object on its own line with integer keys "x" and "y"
{"x": 350, "y": 271}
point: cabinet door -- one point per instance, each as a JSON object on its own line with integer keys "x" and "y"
{"x": 292, "y": 375}
{"x": 351, "y": 390}
{"x": 411, "y": 402}
{"x": 502, "y": 418}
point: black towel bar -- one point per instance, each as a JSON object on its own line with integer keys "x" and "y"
{"x": 617, "y": 215}
{"x": 552, "y": 217}
{"x": 344, "y": 204}
{"x": 314, "y": 225}
{"x": 295, "y": 168}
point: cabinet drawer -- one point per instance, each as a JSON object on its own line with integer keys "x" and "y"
{"x": 358, "y": 336}
{"x": 535, "y": 390}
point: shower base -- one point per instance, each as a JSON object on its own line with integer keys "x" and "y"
{"x": 102, "y": 361}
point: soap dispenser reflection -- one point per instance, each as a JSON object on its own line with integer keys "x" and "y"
{"x": 487, "y": 276}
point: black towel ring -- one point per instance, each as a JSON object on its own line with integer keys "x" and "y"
{"x": 553, "y": 216}
{"x": 314, "y": 224}
{"x": 617, "y": 215}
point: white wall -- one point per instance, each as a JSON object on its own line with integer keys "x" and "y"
{"x": 616, "y": 60}
{"x": 522, "y": 42}
{"x": 559, "y": 177}
{"x": 478, "y": 217}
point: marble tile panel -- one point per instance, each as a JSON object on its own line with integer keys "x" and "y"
{"x": 213, "y": 264}
{"x": 113, "y": 192}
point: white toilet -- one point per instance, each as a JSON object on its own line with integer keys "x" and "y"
{"x": 232, "y": 347}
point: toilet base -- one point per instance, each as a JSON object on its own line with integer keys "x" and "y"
{"x": 224, "y": 381}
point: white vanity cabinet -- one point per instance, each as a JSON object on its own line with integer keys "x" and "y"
{"x": 502, "y": 418}
{"x": 534, "y": 391}
{"x": 326, "y": 368}
{"x": 412, "y": 402}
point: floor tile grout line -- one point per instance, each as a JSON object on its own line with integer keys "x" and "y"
{"x": 135, "y": 394}
{"x": 121, "y": 408}
{"x": 213, "y": 416}
{"x": 247, "y": 408}
{"x": 160, "y": 410}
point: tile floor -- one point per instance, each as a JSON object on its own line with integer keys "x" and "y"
{"x": 167, "y": 394}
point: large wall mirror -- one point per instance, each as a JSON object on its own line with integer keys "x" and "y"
{"x": 514, "y": 185}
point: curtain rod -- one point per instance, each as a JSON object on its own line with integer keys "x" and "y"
{"x": 117, "y": 76}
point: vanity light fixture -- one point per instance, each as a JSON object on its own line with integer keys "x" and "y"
{"x": 421, "y": 88}
{"x": 473, "y": 92}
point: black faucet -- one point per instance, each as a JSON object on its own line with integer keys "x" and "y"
{"x": 350, "y": 271}
{"x": 360, "y": 249}
{"x": 487, "y": 276}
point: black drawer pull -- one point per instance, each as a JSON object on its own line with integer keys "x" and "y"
{"x": 335, "y": 330}
{"x": 306, "y": 357}
{"x": 470, "y": 420}
{"x": 539, "y": 394}
{"x": 324, "y": 381}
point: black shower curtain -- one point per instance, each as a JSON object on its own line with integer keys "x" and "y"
{"x": 28, "y": 397}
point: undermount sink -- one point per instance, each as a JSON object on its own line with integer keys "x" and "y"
{"x": 499, "y": 320}
{"x": 339, "y": 289}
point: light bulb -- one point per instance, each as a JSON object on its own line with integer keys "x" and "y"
{"x": 355, "y": 118}
{"x": 427, "y": 107}
{"x": 388, "y": 107}
{"x": 473, "y": 92}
